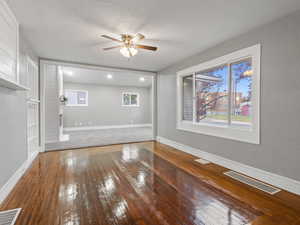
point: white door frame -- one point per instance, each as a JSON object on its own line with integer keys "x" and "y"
{"x": 43, "y": 62}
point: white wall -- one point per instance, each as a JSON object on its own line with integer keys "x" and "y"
{"x": 105, "y": 106}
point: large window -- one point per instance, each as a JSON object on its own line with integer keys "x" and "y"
{"x": 221, "y": 97}
{"x": 130, "y": 99}
{"x": 76, "y": 98}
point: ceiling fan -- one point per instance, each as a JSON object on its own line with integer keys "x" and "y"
{"x": 128, "y": 44}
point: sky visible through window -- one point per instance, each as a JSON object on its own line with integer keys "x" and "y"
{"x": 237, "y": 70}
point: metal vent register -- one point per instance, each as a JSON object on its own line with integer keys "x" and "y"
{"x": 252, "y": 182}
{"x": 9, "y": 217}
{"x": 202, "y": 161}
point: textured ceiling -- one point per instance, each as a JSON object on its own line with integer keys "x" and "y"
{"x": 90, "y": 76}
{"x": 70, "y": 29}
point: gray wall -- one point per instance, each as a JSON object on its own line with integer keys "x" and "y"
{"x": 105, "y": 107}
{"x": 279, "y": 151}
{"x": 13, "y": 123}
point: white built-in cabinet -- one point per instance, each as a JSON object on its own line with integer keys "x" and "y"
{"x": 10, "y": 74}
{"x": 9, "y": 49}
{"x": 32, "y": 80}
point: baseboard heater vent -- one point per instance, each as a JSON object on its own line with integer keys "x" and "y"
{"x": 252, "y": 182}
{"x": 202, "y": 161}
{"x": 9, "y": 217}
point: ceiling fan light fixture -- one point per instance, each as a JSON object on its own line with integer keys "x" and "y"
{"x": 128, "y": 52}
{"x": 129, "y": 46}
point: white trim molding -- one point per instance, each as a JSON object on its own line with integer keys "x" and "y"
{"x": 95, "y": 67}
{"x": 13, "y": 180}
{"x": 106, "y": 127}
{"x": 276, "y": 180}
{"x": 32, "y": 157}
{"x": 226, "y": 129}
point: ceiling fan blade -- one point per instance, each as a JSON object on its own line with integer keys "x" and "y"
{"x": 111, "y": 38}
{"x": 137, "y": 38}
{"x": 146, "y": 47}
{"x": 117, "y": 46}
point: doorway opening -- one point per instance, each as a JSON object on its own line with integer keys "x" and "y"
{"x": 88, "y": 106}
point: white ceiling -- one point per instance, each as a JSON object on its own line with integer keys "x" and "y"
{"x": 91, "y": 76}
{"x": 70, "y": 29}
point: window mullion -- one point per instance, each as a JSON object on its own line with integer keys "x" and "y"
{"x": 229, "y": 78}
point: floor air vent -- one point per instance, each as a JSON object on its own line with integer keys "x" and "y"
{"x": 202, "y": 161}
{"x": 252, "y": 182}
{"x": 9, "y": 217}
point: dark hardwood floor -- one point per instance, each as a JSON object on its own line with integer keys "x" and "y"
{"x": 141, "y": 184}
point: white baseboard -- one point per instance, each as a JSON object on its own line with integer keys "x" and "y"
{"x": 267, "y": 177}
{"x": 13, "y": 180}
{"x": 106, "y": 127}
{"x": 64, "y": 137}
{"x": 32, "y": 157}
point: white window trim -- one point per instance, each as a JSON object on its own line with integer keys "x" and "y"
{"x": 78, "y": 105}
{"x": 240, "y": 134}
{"x": 131, "y": 93}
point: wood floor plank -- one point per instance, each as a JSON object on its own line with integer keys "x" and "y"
{"x": 140, "y": 184}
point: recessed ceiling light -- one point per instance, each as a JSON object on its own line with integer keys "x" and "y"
{"x": 68, "y": 72}
{"x": 142, "y": 79}
{"x": 109, "y": 76}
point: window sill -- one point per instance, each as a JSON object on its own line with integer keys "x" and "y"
{"x": 76, "y": 105}
{"x": 247, "y": 135}
{"x": 130, "y": 106}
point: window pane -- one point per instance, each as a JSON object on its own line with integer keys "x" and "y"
{"x": 134, "y": 100}
{"x": 126, "y": 99}
{"x": 81, "y": 98}
{"x": 187, "y": 98}
{"x": 211, "y": 89}
{"x": 241, "y": 73}
{"x": 72, "y": 97}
